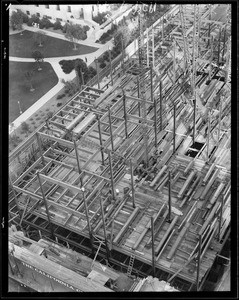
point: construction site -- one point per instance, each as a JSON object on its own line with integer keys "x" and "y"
{"x": 134, "y": 171}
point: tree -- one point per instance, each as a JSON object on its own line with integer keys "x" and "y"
{"x": 70, "y": 87}
{"x": 25, "y": 127}
{"x": 40, "y": 37}
{"x": 16, "y": 20}
{"x": 28, "y": 76}
{"x": 122, "y": 35}
{"x": 38, "y": 56}
{"x": 74, "y": 33}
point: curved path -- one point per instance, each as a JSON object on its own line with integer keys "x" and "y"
{"x": 54, "y": 61}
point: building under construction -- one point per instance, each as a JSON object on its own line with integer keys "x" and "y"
{"x": 137, "y": 169}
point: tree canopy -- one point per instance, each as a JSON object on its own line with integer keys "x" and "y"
{"x": 74, "y": 33}
{"x": 88, "y": 73}
{"x": 38, "y": 56}
{"x": 16, "y": 20}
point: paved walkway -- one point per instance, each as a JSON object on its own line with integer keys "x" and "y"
{"x": 54, "y": 61}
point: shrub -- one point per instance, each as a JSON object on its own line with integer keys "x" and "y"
{"x": 102, "y": 65}
{"x": 100, "y": 18}
{"x": 45, "y": 23}
{"x": 59, "y": 97}
{"x": 57, "y": 25}
{"x": 59, "y": 104}
{"x": 86, "y": 28}
{"x": 49, "y": 114}
{"x": 25, "y": 17}
{"x": 106, "y": 56}
{"x": 67, "y": 65}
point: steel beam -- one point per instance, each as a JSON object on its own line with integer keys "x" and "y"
{"x": 198, "y": 262}
{"x": 88, "y": 220}
{"x": 46, "y": 205}
{"x": 101, "y": 142}
{"x": 174, "y": 128}
{"x": 169, "y": 196}
{"x": 155, "y": 125}
{"x": 111, "y": 175}
{"x": 161, "y": 106}
{"x": 132, "y": 183}
{"x": 78, "y": 162}
{"x": 153, "y": 252}
{"x": 194, "y": 119}
{"x": 220, "y": 217}
{"x": 138, "y": 89}
{"x": 104, "y": 228}
{"x": 125, "y": 115}
{"x": 110, "y": 127}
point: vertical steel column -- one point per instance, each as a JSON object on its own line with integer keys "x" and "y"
{"x": 163, "y": 28}
{"x": 174, "y": 127}
{"x": 103, "y": 219}
{"x": 125, "y": 115}
{"x": 147, "y": 41}
{"x": 169, "y": 196}
{"x": 40, "y": 148}
{"x": 194, "y": 118}
{"x": 46, "y": 205}
{"x": 153, "y": 252}
{"x": 122, "y": 44}
{"x": 209, "y": 25}
{"x": 219, "y": 121}
{"x": 78, "y": 162}
{"x": 155, "y": 124}
{"x": 174, "y": 61}
{"x": 111, "y": 175}
{"x": 151, "y": 83}
{"x": 111, "y": 133}
{"x": 101, "y": 142}
{"x": 15, "y": 197}
{"x": 153, "y": 46}
{"x": 111, "y": 76}
{"x": 97, "y": 70}
{"x": 220, "y": 218}
{"x": 161, "y": 107}
{"x": 112, "y": 232}
{"x": 219, "y": 46}
{"x": 138, "y": 94}
{"x": 198, "y": 262}
{"x": 208, "y": 133}
{"x": 132, "y": 182}
{"x": 224, "y": 42}
{"x": 88, "y": 220}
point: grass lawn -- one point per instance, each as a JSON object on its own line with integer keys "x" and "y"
{"x": 19, "y": 87}
{"x": 24, "y": 45}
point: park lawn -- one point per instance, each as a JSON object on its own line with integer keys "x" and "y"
{"x": 24, "y": 45}
{"x": 19, "y": 87}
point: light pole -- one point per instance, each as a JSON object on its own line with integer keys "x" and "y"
{"x": 19, "y": 107}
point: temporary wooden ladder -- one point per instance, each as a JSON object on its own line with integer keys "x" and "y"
{"x": 131, "y": 263}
